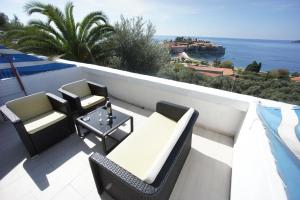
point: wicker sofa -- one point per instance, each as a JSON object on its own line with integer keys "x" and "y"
{"x": 41, "y": 120}
{"x": 84, "y": 96}
{"x": 147, "y": 163}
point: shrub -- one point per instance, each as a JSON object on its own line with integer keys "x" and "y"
{"x": 178, "y": 72}
{"x": 295, "y": 74}
{"x": 179, "y": 39}
{"x": 253, "y": 67}
{"x": 226, "y": 64}
{"x": 204, "y": 62}
{"x": 133, "y": 43}
{"x": 216, "y": 63}
{"x": 3, "y": 20}
{"x": 279, "y": 74}
{"x": 221, "y": 82}
{"x": 188, "y": 61}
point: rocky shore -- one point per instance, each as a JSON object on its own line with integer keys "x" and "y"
{"x": 194, "y": 47}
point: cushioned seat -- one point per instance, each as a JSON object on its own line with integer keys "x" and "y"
{"x": 79, "y": 88}
{"x": 89, "y": 101}
{"x": 147, "y": 163}
{"x": 30, "y": 106}
{"x": 42, "y": 121}
{"x": 84, "y": 96}
{"x": 143, "y": 160}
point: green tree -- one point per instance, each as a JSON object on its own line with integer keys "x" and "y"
{"x": 226, "y": 64}
{"x": 177, "y": 72}
{"x": 134, "y": 45}
{"x": 204, "y": 62}
{"x": 216, "y": 62}
{"x": 253, "y": 67}
{"x": 295, "y": 74}
{"x": 15, "y": 22}
{"x": 3, "y": 20}
{"x": 279, "y": 74}
{"x": 61, "y": 36}
{"x": 179, "y": 39}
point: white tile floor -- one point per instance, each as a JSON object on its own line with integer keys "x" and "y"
{"x": 63, "y": 171}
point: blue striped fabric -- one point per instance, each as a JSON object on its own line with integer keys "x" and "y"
{"x": 297, "y": 128}
{"x": 34, "y": 69}
{"x": 27, "y": 64}
{"x": 288, "y": 164}
{"x": 19, "y": 58}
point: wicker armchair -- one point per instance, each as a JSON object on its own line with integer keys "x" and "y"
{"x": 41, "y": 120}
{"x": 121, "y": 184}
{"x": 84, "y": 96}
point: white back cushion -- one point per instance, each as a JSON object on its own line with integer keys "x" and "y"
{"x": 146, "y": 150}
{"x": 79, "y": 88}
{"x": 168, "y": 147}
{"x": 30, "y": 106}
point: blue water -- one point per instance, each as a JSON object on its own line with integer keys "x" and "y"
{"x": 273, "y": 54}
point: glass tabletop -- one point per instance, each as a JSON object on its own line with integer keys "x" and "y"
{"x": 97, "y": 120}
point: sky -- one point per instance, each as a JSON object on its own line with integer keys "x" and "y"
{"x": 257, "y": 19}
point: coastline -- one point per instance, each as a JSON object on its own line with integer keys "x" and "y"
{"x": 273, "y": 54}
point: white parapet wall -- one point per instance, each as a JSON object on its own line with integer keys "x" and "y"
{"x": 219, "y": 110}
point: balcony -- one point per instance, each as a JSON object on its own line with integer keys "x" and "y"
{"x": 230, "y": 156}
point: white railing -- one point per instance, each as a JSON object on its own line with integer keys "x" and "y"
{"x": 219, "y": 110}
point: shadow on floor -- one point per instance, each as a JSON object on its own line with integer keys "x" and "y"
{"x": 65, "y": 155}
{"x": 12, "y": 151}
{"x": 53, "y": 158}
{"x": 203, "y": 177}
{"x": 50, "y": 160}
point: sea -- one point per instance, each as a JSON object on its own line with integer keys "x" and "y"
{"x": 273, "y": 54}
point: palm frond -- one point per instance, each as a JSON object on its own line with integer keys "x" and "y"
{"x": 52, "y": 13}
{"x": 61, "y": 35}
{"x": 90, "y": 20}
{"x": 99, "y": 32}
{"x": 47, "y": 28}
{"x": 70, "y": 23}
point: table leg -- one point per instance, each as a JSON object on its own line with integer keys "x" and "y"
{"x": 78, "y": 130}
{"x": 3, "y": 116}
{"x": 104, "y": 145}
{"x": 131, "y": 124}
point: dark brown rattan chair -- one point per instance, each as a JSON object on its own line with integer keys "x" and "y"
{"x": 121, "y": 184}
{"x": 41, "y": 120}
{"x": 84, "y": 96}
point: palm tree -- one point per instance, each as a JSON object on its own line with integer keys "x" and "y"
{"x": 60, "y": 36}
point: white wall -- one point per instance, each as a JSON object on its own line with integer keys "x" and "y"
{"x": 254, "y": 172}
{"x": 219, "y": 110}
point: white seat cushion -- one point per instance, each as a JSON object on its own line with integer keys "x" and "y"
{"x": 92, "y": 100}
{"x": 79, "y": 88}
{"x": 38, "y": 123}
{"x": 30, "y": 106}
{"x": 145, "y": 151}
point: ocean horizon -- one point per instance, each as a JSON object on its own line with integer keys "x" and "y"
{"x": 273, "y": 54}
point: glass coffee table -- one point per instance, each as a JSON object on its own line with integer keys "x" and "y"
{"x": 96, "y": 123}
